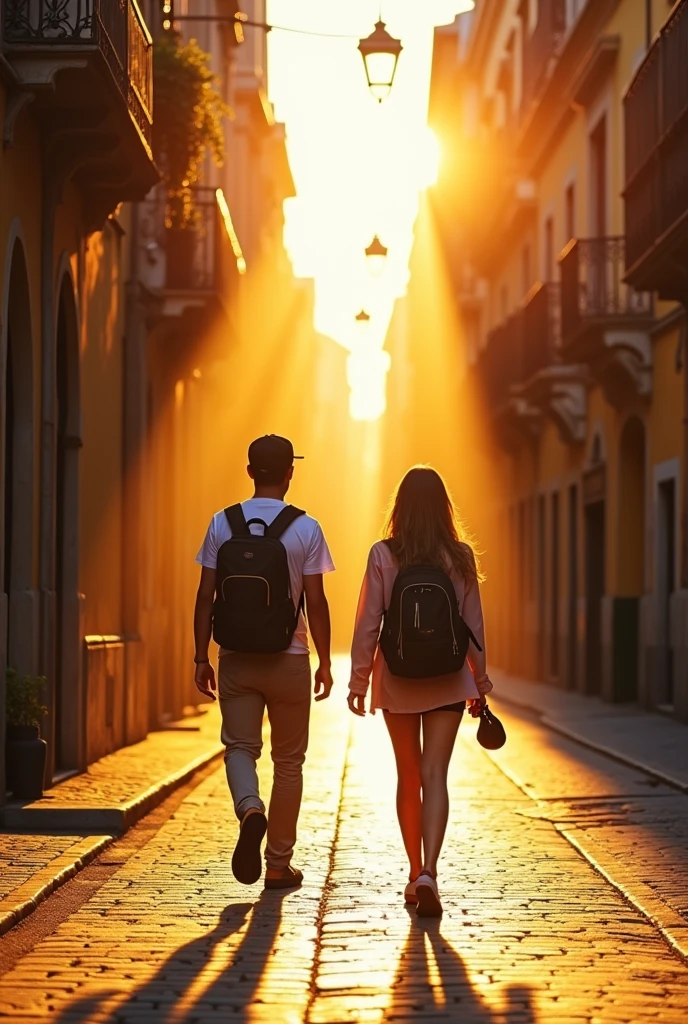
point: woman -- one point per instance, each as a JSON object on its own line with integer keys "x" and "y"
{"x": 422, "y": 715}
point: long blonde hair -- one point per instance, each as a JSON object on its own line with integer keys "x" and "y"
{"x": 424, "y": 528}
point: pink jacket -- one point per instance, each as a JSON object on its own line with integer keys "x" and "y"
{"x": 409, "y": 696}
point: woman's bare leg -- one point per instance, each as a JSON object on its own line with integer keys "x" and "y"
{"x": 439, "y": 735}
{"x": 404, "y": 731}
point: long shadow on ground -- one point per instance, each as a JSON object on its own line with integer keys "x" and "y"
{"x": 178, "y": 993}
{"x": 432, "y": 981}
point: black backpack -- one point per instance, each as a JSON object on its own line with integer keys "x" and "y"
{"x": 423, "y": 633}
{"x": 254, "y": 609}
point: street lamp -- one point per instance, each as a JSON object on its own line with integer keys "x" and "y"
{"x": 376, "y": 256}
{"x": 380, "y": 52}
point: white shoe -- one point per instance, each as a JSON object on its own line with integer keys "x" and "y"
{"x": 410, "y": 893}
{"x": 428, "y": 897}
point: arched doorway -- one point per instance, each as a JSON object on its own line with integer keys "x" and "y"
{"x": 68, "y": 712}
{"x": 18, "y": 561}
{"x": 630, "y": 559}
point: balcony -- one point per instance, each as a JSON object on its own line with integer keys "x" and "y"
{"x": 656, "y": 191}
{"x": 604, "y": 321}
{"x": 193, "y": 270}
{"x": 88, "y": 66}
{"x": 500, "y": 372}
{"x": 541, "y": 48}
{"x": 557, "y": 389}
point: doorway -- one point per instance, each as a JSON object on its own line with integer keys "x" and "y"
{"x": 595, "y": 558}
{"x": 17, "y": 471}
{"x": 572, "y": 666}
{"x": 630, "y": 550}
{"x": 666, "y": 584}
{"x": 67, "y": 718}
{"x": 554, "y": 585}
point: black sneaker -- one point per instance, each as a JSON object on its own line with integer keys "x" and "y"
{"x": 247, "y": 863}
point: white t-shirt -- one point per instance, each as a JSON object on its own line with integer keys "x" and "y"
{"x": 307, "y": 551}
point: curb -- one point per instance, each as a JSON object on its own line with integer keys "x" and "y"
{"x": 669, "y": 923}
{"x": 600, "y": 748}
{"x": 116, "y": 819}
{"x": 24, "y": 899}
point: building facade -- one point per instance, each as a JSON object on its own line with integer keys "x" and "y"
{"x": 76, "y": 107}
{"x": 116, "y": 335}
{"x": 576, "y": 351}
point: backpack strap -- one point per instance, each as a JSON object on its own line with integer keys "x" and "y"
{"x": 283, "y": 520}
{"x": 475, "y": 642}
{"x": 237, "y": 521}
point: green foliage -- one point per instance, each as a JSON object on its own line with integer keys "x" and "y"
{"x": 24, "y": 698}
{"x": 187, "y": 121}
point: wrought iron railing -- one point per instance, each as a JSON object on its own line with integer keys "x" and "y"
{"x": 501, "y": 362}
{"x": 592, "y": 285}
{"x": 542, "y": 47}
{"x": 192, "y": 253}
{"x": 541, "y": 328}
{"x": 115, "y": 27}
{"x": 656, "y": 128}
{"x": 140, "y": 69}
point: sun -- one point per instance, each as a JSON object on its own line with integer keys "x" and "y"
{"x": 359, "y": 166}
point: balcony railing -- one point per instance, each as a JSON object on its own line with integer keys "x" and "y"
{"x": 114, "y": 27}
{"x": 541, "y": 328}
{"x": 501, "y": 363}
{"x": 592, "y": 285}
{"x": 542, "y": 47}
{"x": 656, "y": 123}
{"x": 193, "y": 262}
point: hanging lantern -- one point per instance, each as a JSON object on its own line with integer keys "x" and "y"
{"x": 376, "y": 256}
{"x": 380, "y": 52}
{"x": 362, "y": 317}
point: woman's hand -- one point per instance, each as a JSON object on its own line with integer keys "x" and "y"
{"x": 476, "y": 705}
{"x": 356, "y": 702}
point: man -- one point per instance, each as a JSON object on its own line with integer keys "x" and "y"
{"x": 250, "y": 682}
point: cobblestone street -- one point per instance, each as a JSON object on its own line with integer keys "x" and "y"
{"x": 156, "y": 928}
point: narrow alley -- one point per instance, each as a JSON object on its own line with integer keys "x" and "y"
{"x": 563, "y": 880}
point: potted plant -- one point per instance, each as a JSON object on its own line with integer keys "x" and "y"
{"x": 188, "y": 124}
{"x": 25, "y": 751}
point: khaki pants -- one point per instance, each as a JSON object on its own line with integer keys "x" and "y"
{"x": 247, "y": 685}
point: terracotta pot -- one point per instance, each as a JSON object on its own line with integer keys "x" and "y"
{"x": 25, "y": 754}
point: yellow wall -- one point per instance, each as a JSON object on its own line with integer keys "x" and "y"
{"x": 101, "y": 460}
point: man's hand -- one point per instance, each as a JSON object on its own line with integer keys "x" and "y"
{"x": 476, "y": 705}
{"x": 323, "y": 682}
{"x": 205, "y": 680}
{"x": 356, "y": 702}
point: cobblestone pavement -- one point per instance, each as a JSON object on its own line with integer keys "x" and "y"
{"x": 531, "y": 932}
{"x": 136, "y": 775}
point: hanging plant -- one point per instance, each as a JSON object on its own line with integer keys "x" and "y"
{"x": 187, "y": 122}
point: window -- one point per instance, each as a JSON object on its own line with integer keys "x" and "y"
{"x": 598, "y": 175}
{"x": 570, "y": 212}
{"x": 548, "y": 251}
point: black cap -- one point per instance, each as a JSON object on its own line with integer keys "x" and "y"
{"x": 271, "y": 454}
